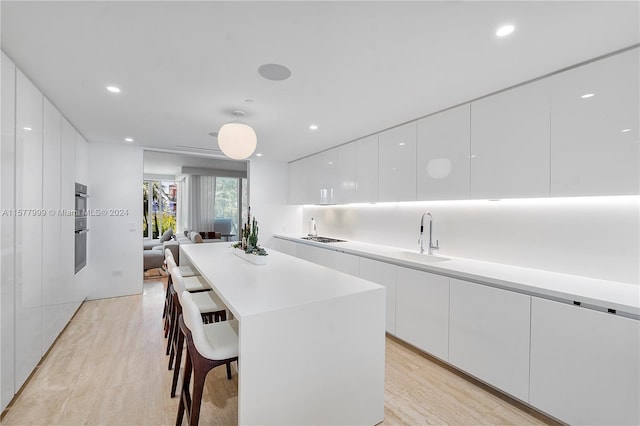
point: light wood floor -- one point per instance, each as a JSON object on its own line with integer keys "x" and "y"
{"x": 108, "y": 367}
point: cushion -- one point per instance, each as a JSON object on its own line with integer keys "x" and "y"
{"x": 197, "y": 238}
{"x": 167, "y": 235}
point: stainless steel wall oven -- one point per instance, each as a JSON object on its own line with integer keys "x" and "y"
{"x": 81, "y": 227}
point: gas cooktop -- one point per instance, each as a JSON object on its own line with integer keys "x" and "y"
{"x": 323, "y": 239}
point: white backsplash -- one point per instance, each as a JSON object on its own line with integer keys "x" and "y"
{"x": 597, "y": 237}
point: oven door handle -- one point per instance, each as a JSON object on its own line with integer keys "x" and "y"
{"x": 82, "y": 231}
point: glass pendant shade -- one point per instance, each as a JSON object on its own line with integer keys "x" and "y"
{"x": 237, "y": 140}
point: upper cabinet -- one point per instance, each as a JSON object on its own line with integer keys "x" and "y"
{"x": 358, "y": 171}
{"x": 510, "y": 143}
{"x": 595, "y": 114}
{"x": 323, "y": 188}
{"x": 299, "y": 182}
{"x": 397, "y": 163}
{"x": 443, "y": 155}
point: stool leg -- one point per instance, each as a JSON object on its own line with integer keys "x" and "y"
{"x": 185, "y": 397}
{"x": 199, "y": 376}
{"x": 176, "y": 367}
{"x": 229, "y": 370}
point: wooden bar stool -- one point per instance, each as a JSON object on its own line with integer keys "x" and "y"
{"x": 192, "y": 284}
{"x": 211, "y": 309}
{"x": 208, "y": 346}
{"x": 186, "y": 271}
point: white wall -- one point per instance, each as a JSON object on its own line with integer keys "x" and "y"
{"x": 591, "y": 236}
{"x": 268, "y": 190}
{"x": 114, "y": 255}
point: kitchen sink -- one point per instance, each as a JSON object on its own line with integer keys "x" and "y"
{"x": 422, "y": 257}
{"x": 324, "y": 239}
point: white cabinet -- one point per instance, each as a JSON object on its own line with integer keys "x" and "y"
{"x": 284, "y": 246}
{"x": 397, "y": 163}
{"x": 489, "y": 335}
{"x": 299, "y": 181}
{"x": 443, "y": 155}
{"x": 323, "y": 181}
{"x": 594, "y": 139}
{"x": 54, "y": 290}
{"x": 584, "y": 364}
{"x": 7, "y": 232}
{"x": 358, "y": 171}
{"x": 339, "y": 261}
{"x": 510, "y": 143}
{"x": 28, "y": 196}
{"x": 67, "y": 203}
{"x": 422, "y": 311}
{"x": 385, "y": 275}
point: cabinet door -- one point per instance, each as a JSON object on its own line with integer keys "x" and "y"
{"x": 299, "y": 182}
{"x": 367, "y": 168}
{"x": 385, "y": 275}
{"x": 67, "y": 202}
{"x": 584, "y": 364}
{"x": 347, "y": 173}
{"x": 443, "y": 155}
{"x": 7, "y": 231}
{"x": 397, "y": 168}
{"x": 285, "y": 246}
{"x": 489, "y": 335}
{"x": 324, "y": 177}
{"x": 422, "y": 311}
{"x": 345, "y": 262}
{"x": 316, "y": 255}
{"x": 510, "y": 143}
{"x": 594, "y": 139}
{"x": 28, "y": 196}
{"x": 54, "y": 290}
{"x": 358, "y": 171}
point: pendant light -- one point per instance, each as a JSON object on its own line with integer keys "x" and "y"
{"x": 237, "y": 140}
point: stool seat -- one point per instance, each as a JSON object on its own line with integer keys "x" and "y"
{"x": 187, "y": 271}
{"x": 225, "y": 336}
{"x": 207, "y": 302}
{"x": 196, "y": 283}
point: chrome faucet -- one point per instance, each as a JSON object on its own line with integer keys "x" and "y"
{"x": 420, "y": 240}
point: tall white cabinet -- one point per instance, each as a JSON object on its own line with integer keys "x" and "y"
{"x": 7, "y": 231}
{"x": 595, "y": 120}
{"x": 28, "y": 283}
{"x": 510, "y": 143}
{"x": 39, "y": 290}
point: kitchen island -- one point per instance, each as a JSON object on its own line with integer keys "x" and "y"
{"x": 311, "y": 339}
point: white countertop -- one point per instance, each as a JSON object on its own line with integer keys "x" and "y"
{"x": 284, "y": 282}
{"x": 623, "y": 297}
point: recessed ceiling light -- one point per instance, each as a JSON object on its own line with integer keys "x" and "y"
{"x": 401, "y": 144}
{"x": 505, "y": 30}
{"x": 128, "y": 139}
{"x": 587, "y": 95}
{"x": 113, "y": 89}
{"x": 626, "y": 130}
{"x": 275, "y": 72}
{"x": 28, "y": 129}
{"x": 258, "y": 155}
{"x": 314, "y": 127}
{"x": 330, "y": 162}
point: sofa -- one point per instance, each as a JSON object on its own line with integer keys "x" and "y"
{"x": 153, "y": 255}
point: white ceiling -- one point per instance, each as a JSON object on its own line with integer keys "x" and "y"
{"x": 358, "y": 67}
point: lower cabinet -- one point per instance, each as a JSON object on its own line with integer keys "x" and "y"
{"x": 284, "y": 246}
{"x": 343, "y": 262}
{"x": 585, "y": 364}
{"x": 422, "y": 311}
{"x": 489, "y": 335}
{"x": 385, "y": 275}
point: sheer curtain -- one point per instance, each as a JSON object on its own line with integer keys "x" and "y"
{"x": 202, "y": 199}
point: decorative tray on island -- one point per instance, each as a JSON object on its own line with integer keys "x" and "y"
{"x": 251, "y": 257}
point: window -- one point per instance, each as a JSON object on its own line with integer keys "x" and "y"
{"x": 159, "y": 207}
